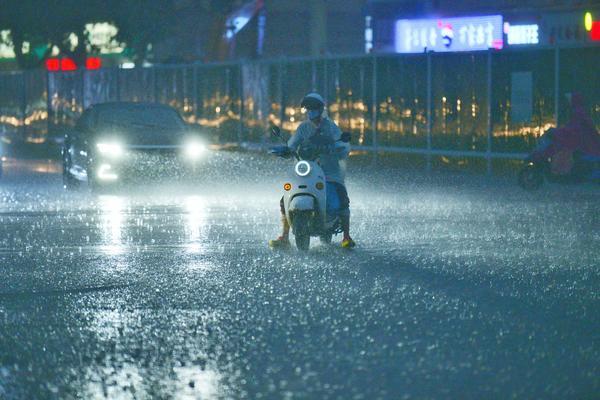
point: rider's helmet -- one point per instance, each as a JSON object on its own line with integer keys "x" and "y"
{"x": 314, "y": 105}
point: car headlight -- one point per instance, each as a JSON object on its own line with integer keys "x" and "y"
{"x": 110, "y": 149}
{"x": 303, "y": 168}
{"x": 194, "y": 150}
{"x": 106, "y": 173}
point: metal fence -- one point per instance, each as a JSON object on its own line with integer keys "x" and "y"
{"x": 482, "y": 104}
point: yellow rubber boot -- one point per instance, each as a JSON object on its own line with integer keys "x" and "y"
{"x": 282, "y": 241}
{"x": 348, "y": 243}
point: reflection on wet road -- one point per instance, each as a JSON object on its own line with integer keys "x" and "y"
{"x": 460, "y": 288}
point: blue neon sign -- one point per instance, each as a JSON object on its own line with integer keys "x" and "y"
{"x": 449, "y": 34}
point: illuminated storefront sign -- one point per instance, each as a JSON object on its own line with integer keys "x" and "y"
{"x": 55, "y": 64}
{"x": 449, "y": 34}
{"x": 595, "y": 31}
{"x": 521, "y": 34}
{"x": 368, "y": 34}
{"x": 593, "y": 27}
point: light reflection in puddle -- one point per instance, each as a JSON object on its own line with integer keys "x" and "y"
{"x": 196, "y": 227}
{"x": 111, "y": 223}
{"x": 129, "y": 381}
{"x": 122, "y": 378}
{"x": 194, "y": 383}
{"x": 195, "y": 207}
{"x": 106, "y": 324}
{"x": 124, "y": 382}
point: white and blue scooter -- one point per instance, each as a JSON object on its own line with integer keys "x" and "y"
{"x": 305, "y": 191}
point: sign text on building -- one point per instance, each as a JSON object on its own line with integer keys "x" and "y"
{"x": 521, "y": 34}
{"x": 449, "y": 34}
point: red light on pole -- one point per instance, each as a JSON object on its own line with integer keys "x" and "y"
{"x": 53, "y": 64}
{"x": 67, "y": 64}
{"x": 93, "y": 63}
{"x": 595, "y": 31}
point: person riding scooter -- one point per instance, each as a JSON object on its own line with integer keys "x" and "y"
{"x": 568, "y": 154}
{"x": 331, "y": 163}
{"x": 578, "y": 136}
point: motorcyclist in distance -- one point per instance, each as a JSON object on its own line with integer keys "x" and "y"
{"x": 579, "y": 135}
{"x": 332, "y": 163}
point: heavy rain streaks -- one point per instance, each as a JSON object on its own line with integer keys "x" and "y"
{"x": 461, "y": 287}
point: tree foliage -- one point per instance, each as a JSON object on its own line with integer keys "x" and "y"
{"x": 48, "y": 23}
{"x": 143, "y": 22}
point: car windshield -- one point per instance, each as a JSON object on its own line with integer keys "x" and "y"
{"x": 141, "y": 123}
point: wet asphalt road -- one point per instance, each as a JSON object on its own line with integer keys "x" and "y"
{"x": 460, "y": 288}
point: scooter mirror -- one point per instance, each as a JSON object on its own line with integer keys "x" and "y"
{"x": 346, "y": 136}
{"x": 275, "y": 131}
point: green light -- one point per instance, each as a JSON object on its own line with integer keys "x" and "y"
{"x": 587, "y": 20}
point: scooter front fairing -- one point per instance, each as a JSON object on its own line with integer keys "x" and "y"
{"x": 307, "y": 190}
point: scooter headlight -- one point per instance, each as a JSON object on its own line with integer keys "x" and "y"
{"x": 303, "y": 168}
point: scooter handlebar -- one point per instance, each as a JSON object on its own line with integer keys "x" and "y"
{"x": 281, "y": 151}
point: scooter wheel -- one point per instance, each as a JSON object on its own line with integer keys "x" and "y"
{"x": 302, "y": 242}
{"x": 326, "y": 238}
{"x": 301, "y": 232}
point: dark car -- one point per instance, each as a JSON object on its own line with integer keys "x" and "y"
{"x": 114, "y": 142}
